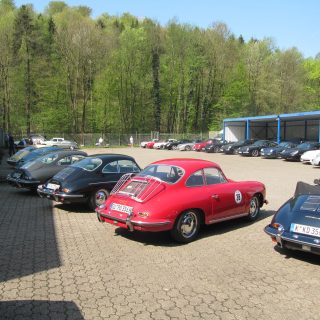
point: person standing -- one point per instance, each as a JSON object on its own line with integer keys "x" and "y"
{"x": 131, "y": 141}
{"x": 12, "y": 150}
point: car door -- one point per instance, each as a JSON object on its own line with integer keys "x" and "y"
{"x": 226, "y": 198}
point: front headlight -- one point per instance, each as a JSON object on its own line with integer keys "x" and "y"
{"x": 294, "y": 153}
{"x": 229, "y": 147}
{"x": 248, "y": 149}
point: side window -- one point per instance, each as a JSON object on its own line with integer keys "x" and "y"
{"x": 111, "y": 167}
{"x": 66, "y": 161}
{"x": 127, "y": 166}
{"x": 213, "y": 176}
{"x": 77, "y": 158}
{"x": 195, "y": 180}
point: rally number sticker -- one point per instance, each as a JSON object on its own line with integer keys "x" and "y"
{"x": 238, "y": 196}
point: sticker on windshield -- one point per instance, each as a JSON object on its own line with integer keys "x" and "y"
{"x": 237, "y": 196}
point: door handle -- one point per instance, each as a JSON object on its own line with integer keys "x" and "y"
{"x": 215, "y": 196}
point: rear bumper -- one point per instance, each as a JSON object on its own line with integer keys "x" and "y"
{"x": 59, "y": 196}
{"x": 22, "y": 183}
{"x": 294, "y": 241}
{"x": 131, "y": 224}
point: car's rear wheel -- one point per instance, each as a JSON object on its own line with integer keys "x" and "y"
{"x": 254, "y": 208}
{"x": 216, "y": 149}
{"x": 98, "y": 198}
{"x": 186, "y": 227}
{"x": 174, "y": 148}
{"x": 255, "y": 153}
{"x": 188, "y": 148}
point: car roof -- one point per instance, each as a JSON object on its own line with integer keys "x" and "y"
{"x": 115, "y": 156}
{"x": 188, "y": 164}
{"x": 62, "y": 152}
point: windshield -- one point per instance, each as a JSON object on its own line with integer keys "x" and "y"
{"x": 88, "y": 164}
{"x": 166, "y": 173}
{"x": 259, "y": 143}
{"x": 48, "y": 158}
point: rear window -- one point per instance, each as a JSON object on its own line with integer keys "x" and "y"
{"x": 88, "y": 164}
{"x": 166, "y": 173}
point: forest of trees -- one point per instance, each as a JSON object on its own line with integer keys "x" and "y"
{"x": 63, "y": 71}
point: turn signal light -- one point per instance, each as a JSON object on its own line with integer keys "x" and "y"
{"x": 143, "y": 214}
{"x": 66, "y": 190}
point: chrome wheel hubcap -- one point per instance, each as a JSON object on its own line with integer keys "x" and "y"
{"x": 189, "y": 224}
{"x": 253, "y": 207}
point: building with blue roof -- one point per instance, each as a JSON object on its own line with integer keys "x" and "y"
{"x": 279, "y": 127}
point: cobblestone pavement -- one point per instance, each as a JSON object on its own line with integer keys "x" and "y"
{"x": 58, "y": 262}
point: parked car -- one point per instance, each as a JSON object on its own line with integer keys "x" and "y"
{"x": 254, "y": 149}
{"x": 150, "y": 144}
{"x": 89, "y": 180}
{"x": 232, "y": 148}
{"x": 34, "y": 154}
{"x": 274, "y": 152}
{"x": 308, "y": 156}
{"x": 191, "y": 192}
{"x": 296, "y": 224}
{"x": 200, "y": 146}
{"x": 294, "y": 154}
{"x": 161, "y": 144}
{"x": 60, "y": 142}
{"x": 316, "y": 161}
{"x": 13, "y": 160}
{"x": 187, "y": 146}
{"x": 214, "y": 145}
{"x": 23, "y": 143}
{"x": 144, "y": 143}
{"x": 173, "y": 145}
{"x": 36, "y": 172}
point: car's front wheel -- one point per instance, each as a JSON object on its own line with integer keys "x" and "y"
{"x": 254, "y": 208}
{"x": 187, "y": 148}
{"x": 255, "y": 153}
{"x": 216, "y": 149}
{"x": 186, "y": 227}
{"x": 98, "y": 198}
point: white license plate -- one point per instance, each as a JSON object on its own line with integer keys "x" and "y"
{"x": 308, "y": 230}
{"x": 120, "y": 208}
{"x": 53, "y": 186}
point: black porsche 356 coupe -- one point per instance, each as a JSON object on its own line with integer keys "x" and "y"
{"x": 89, "y": 180}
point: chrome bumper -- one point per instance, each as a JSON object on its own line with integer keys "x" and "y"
{"x": 294, "y": 241}
{"x": 22, "y": 182}
{"x": 56, "y": 195}
{"x": 129, "y": 223}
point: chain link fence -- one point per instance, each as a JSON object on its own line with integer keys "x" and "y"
{"x": 117, "y": 139}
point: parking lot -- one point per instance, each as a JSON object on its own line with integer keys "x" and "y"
{"x": 59, "y": 262}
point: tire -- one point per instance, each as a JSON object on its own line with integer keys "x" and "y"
{"x": 216, "y": 149}
{"x": 97, "y": 198}
{"x": 254, "y": 208}
{"x": 187, "y": 148}
{"x": 174, "y": 148}
{"x": 255, "y": 153}
{"x": 186, "y": 227}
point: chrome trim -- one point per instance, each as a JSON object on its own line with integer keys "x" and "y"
{"x": 102, "y": 182}
{"x": 228, "y": 218}
{"x": 60, "y": 194}
{"x": 131, "y": 223}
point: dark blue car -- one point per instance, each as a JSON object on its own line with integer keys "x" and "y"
{"x": 274, "y": 152}
{"x": 296, "y": 225}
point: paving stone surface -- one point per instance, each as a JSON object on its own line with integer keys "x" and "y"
{"x": 59, "y": 262}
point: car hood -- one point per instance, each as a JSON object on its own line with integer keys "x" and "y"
{"x": 311, "y": 154}
{"x": 305, "y": 210}
{"x": 290, "y": 150}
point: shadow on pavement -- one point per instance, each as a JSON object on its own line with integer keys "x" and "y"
{"x": 164, "y": 239}
{"x": 299, "y": 255}
{"x": 27, "y": 233}
{"x": 39, "y": 310}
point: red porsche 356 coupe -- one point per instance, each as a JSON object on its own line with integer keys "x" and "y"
{"x": 179, "y": 195}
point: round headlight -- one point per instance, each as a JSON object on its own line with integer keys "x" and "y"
{"x": 294, "y": 153}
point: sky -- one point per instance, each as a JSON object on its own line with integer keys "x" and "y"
{"x": 290, "y": 23}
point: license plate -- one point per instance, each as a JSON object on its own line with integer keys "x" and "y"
{"x": 53, "y": 186}
{"x": 308, "y": 230}
{"x": 120, "y": 208}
